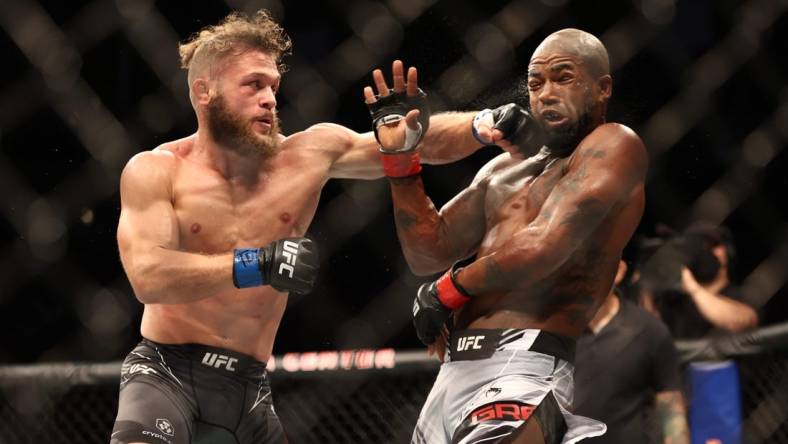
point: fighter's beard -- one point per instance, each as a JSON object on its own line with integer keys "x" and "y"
{"x": 233, "y": 133}
{"x": 565, "y": 140}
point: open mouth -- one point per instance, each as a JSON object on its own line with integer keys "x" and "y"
{"x": 553, "y": 118}
{"x": 264, "y": 122}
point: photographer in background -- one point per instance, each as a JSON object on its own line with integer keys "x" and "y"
{"x": 689, "y": 285}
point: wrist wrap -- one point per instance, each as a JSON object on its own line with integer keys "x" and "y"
{"x": 484, "y": 116}
{"x": 246, "y": 268}
{"x": 450, "y": 294}
{"x": 397, "y": 165}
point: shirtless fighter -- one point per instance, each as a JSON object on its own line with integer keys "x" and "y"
{"x": 547, "y": 232}
{"x": 211, "y": 235}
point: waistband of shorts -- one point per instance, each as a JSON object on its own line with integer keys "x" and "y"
{"x": 474, "y": 344}
{"x": 216, "y": 358}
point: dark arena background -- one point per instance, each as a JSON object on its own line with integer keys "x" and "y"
{"x": 86, "y": 85}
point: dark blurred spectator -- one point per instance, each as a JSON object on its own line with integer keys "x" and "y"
{"x": 625, "y": 364}
{"x": 704, "y": 297}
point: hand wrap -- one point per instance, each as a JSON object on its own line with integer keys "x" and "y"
{"x": 385, "y": 110}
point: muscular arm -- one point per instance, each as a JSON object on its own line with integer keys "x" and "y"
{"x": 671, "y": 414}
{"x": 718, "y": 309}
{"x": 609, "y": 165}
{"x": 431, "y": 240}
{"x": 449, "y": 138}
{"x": 355, "y": 156}
{"x": 148, "y": 239}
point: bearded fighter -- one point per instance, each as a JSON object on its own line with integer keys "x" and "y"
{"x": 211, "y": 235}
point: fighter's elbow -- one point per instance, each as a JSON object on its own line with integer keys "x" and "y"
{"x": 143, "y": 281}
{"x": 143, "y": 291}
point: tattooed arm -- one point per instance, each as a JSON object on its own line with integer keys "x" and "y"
{"x": 606, "y": 169}
{"x": 431, "y": 240}
{"x": 671, "y": 414}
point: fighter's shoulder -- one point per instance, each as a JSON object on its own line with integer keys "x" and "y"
{"x": 152, "y": 161}
{"x": 616, "y": 138}
{"x": 317, "y": 132}
{"x": 154, "y": 166}
{"x": 321, "y": 140}
{"x": 614, "y": 144}
{"x": 326, "y": 127}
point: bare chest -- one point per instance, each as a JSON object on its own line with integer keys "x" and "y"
{"x": 216, "y": 214}
{"x": 515, "y": 196}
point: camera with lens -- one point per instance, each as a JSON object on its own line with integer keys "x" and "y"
{"x": 691, "y": 249}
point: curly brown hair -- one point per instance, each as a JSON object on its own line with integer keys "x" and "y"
{"x": 236, "y": 31}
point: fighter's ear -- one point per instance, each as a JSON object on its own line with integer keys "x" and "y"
{"x": 605, "y": 85}
{"x": 201, "y": 90}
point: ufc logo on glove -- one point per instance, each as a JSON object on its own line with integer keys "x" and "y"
{"x": 290, "y": 254}
{"x": 286, "y": 264}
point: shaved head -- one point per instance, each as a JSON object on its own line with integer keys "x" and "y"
{"x": 574, "y": 42}
{"x": 569, "y": 86}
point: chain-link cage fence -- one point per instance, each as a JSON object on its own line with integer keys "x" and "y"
{"x": 87, "y": 84}
{"x": 70, "y": 403}
{"x": 765, "y": 397}
{"x": 77, "y": 404}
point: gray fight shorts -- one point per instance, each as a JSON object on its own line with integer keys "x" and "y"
{"x": 493, "y": 381}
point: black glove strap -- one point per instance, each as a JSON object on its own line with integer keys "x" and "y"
{"x": 398, "y": 104}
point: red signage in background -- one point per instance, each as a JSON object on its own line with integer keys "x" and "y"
{"x": 363, "y": 359}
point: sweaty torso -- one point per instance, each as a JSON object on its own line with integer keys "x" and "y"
{"x": 566, "y": 300}
{"x": 216, "y": 215}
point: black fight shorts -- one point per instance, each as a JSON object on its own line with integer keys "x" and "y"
{"x": 180, "y": 394}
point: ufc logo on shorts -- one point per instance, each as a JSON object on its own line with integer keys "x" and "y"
{"x": 469, "y": 342}
{"x": 215, "y": 360}
{"x": 290, "y": 254}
